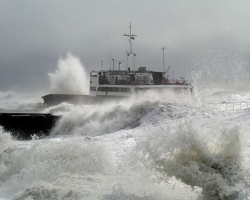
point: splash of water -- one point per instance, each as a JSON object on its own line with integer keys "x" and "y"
{"x": 59, "y": 109}
{"x": 70, "y": 77}
{"x": 5, "y": 140}
{"x": 198, "y": 160}
{"x": 220, "y": 69}
{"x": 118, "y": 193}
{"x": 41, "y": 192}
{"x": 44, "y": 168}
{"x": 93, "y": 120}
{"x": 219, "y": 72}
{"x": 18, "y": 102}
{"x": 5, "y": 144}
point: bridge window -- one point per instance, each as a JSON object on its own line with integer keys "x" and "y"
{"x": 92, "y": 88}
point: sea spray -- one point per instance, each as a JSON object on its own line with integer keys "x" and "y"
{"x": 5, "y": 145}
{"x": 215, "y": 71}
{"x": 60, "y": 108}
{"x": 108, "y": 117}
{"x": 48, "y": 191}
{"x": 220, "y": 68}
{"x": 119, "y": 194}
{"x": 70, "y": 77}
{"x": 7, "y": 95}
{"x": 16, "y": 101}
{"x": 93, "y": 120}
{"x": 197, "y": 159}
{"x": 44, "y": 168}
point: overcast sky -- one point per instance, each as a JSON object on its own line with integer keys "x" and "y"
{"x": 196, "y": 33}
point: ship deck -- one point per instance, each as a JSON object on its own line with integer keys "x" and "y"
{"x": 23, "y": 126}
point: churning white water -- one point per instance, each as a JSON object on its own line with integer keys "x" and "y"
{"x": 156, "y": 147}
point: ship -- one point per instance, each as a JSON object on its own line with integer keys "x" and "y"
{"x": 105, "y": 85}
{"x": 114, "y": 84}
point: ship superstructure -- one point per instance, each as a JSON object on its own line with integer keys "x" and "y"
{"x": 111, "y": 84}
{"x": 122, "y": 83}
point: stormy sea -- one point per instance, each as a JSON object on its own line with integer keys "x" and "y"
{"x": 152, "y": 147}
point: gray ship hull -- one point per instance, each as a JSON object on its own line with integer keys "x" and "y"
{"x": 54, "y": 99}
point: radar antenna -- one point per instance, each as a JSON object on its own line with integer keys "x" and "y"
{"x": 131, "y": 37}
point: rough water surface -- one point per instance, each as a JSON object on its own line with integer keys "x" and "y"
{"x": 155, "y": 147}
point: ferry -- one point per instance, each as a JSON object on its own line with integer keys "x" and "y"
{"x": 105, "y": 85}
{"x": 116, "y": 84}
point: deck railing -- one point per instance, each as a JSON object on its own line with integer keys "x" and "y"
{"x": 229, "y": 105}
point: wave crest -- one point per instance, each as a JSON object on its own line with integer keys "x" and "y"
{"x": 214, "y": 165}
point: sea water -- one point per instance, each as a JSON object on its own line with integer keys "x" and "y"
{"x": 155, "y": 147}
{"x": 165, "y": 147}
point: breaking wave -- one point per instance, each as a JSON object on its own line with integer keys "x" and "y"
{"x": 210, "y": 161}
{"x": 98, "y": 119}
{"x": 42, "y": 169}
{"x": 93, "y": 120}
{"x": 5, "y": 144}
{"x": 59, "y": 109}
{"x": 119, "y": 193}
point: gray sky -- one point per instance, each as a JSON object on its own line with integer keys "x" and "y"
{"x": 196, "y": 33}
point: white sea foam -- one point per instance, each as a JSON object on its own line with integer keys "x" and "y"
{"x": 93, "y": 120}
{"x": 5, "y": 144}
{"x": 60, "y": 108}
{"x": 5, "y": 140}
{"x": 202, "y": 150}
{"x": 197, "y": 158}
{"x": 35, "y": 169}
{"x": 61, "y": 168}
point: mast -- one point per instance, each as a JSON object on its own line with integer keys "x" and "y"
{"x": 113, "y": 65}
{"x": 130, "y": 52}
{"x": 163, "y": 48}
{"x": 119, "y": 63}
